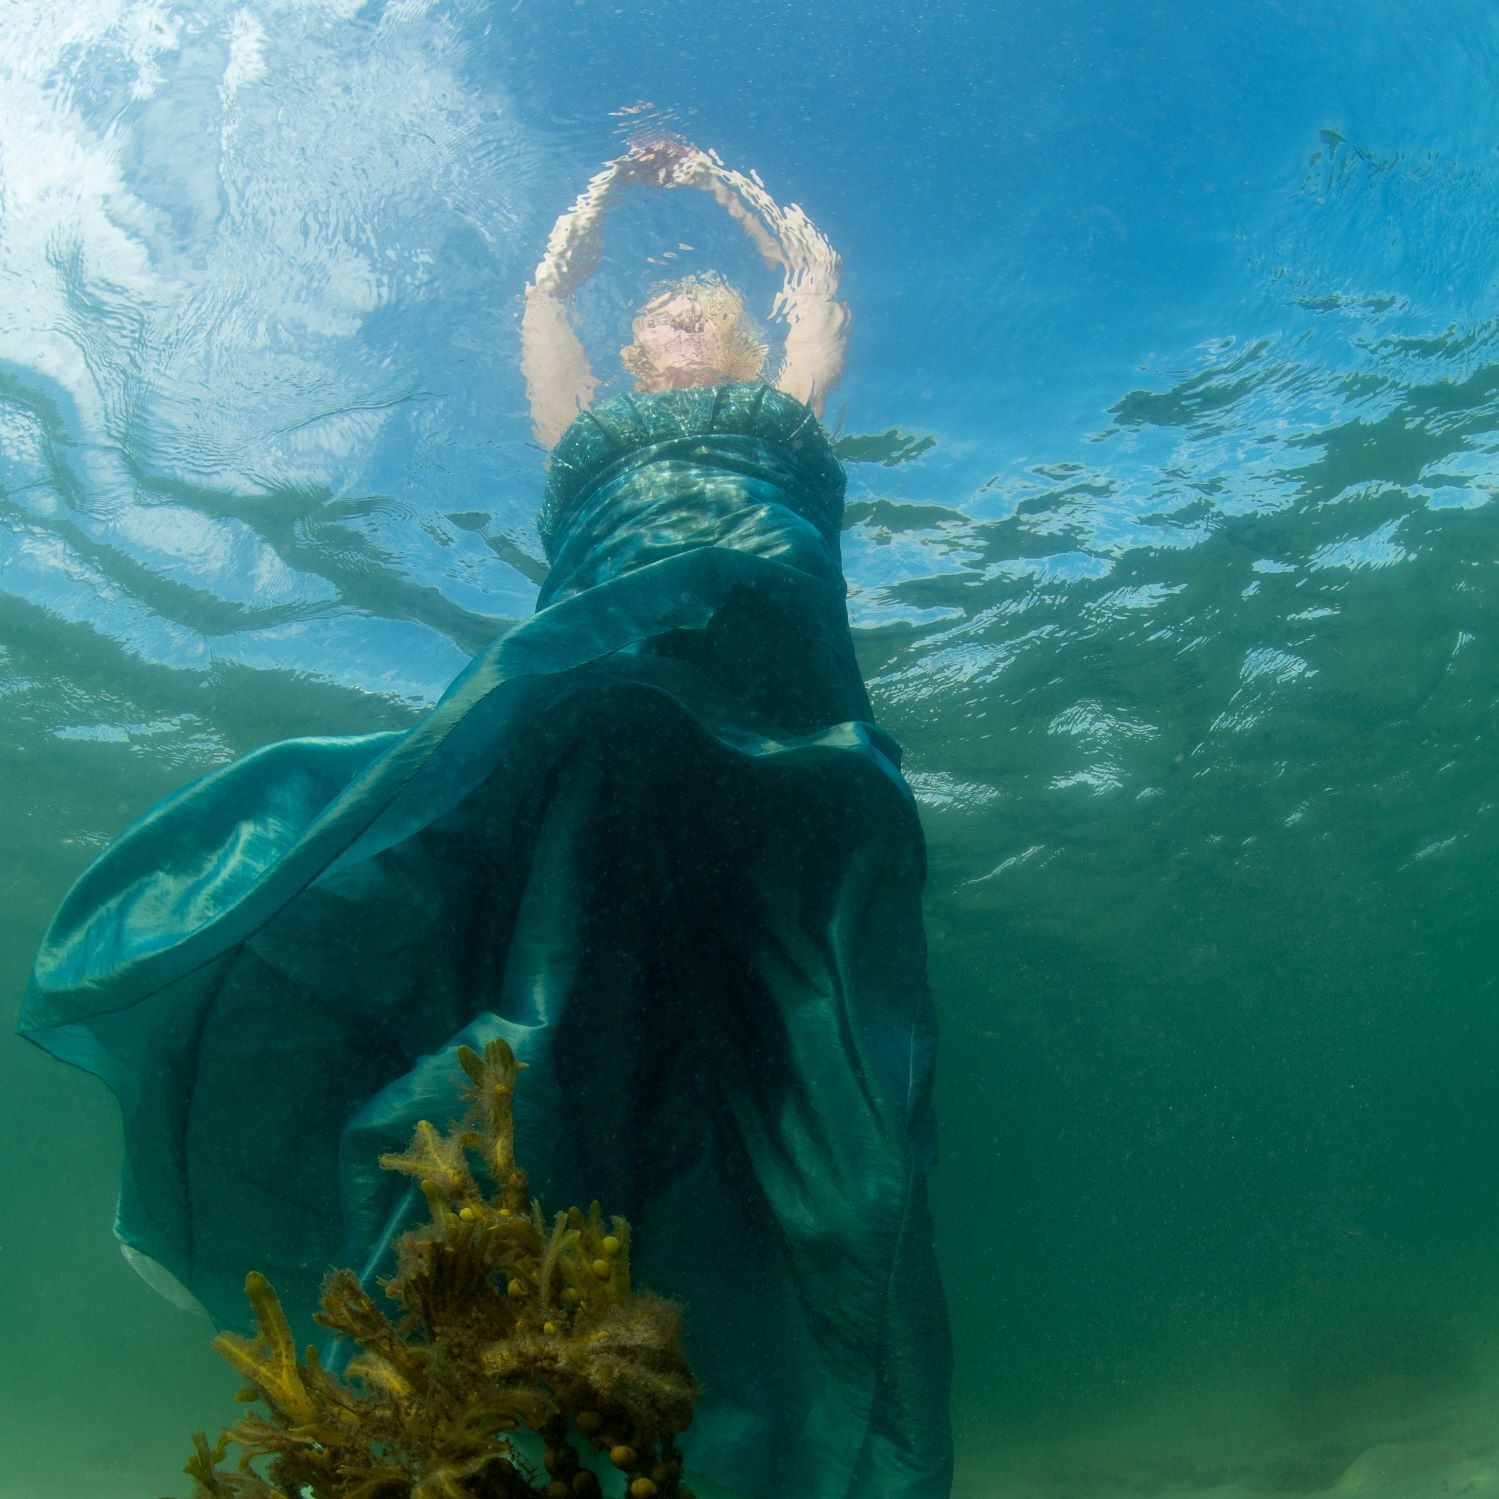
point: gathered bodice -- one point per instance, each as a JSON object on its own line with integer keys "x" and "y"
{"x": 739, "y": 469}
{"x": 644, "y": 477}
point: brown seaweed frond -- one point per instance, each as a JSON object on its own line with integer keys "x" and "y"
{"x": 492, "y": 1098}
{"x": 269, "y": 1360}
{"x": 506, "y": 1322}
{"x": 203, "y": 1468}
{"x": 435, "y": 1159}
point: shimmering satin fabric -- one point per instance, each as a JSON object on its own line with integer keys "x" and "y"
{"x": 650, "y": 837}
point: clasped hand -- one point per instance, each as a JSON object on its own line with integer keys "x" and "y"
{"x": 664, "y": 164}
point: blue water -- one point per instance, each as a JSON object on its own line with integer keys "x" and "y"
{"x": 1170, "y": 416}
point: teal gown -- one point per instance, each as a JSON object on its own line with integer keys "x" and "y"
{"x": 652, "y": 838}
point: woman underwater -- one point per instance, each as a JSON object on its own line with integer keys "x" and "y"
{"x": 653, "y": 839}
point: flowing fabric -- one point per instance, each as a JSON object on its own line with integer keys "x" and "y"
{"x": 651, "y": 838}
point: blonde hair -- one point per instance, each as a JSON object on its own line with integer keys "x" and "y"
{"x": 744, "y": 347}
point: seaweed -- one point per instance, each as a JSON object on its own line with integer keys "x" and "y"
{"x": 501, "y": 1322}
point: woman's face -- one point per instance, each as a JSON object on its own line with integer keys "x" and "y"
{"x": 684, "y": 341}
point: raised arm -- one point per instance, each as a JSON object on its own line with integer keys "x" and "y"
{"x": 816, "y": 317}
{"x": 559, "y": 382}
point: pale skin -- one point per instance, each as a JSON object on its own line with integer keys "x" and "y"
{"x": 682, "y": 337}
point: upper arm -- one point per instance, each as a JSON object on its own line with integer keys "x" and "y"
{"x": 559, "y": 381}
{"x": 816, "y": 341}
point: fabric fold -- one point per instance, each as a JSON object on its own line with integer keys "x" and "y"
{"x": 652, "y": 838}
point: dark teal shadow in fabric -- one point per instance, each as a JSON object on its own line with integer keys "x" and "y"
{"x": 652, "y": 838}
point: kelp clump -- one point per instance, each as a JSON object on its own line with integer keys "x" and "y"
{"x": 506, "y": 1322}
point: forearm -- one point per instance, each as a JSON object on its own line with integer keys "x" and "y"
{"x": 816, "y": 318}
{"x": 559, "y": 381}
{"x": 576, "y": 239}
{"x": 750, "y": 206}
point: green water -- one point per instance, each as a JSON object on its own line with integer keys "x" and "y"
{"x": 1185, "y": 617}
{"x": 1212, "y": 941}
